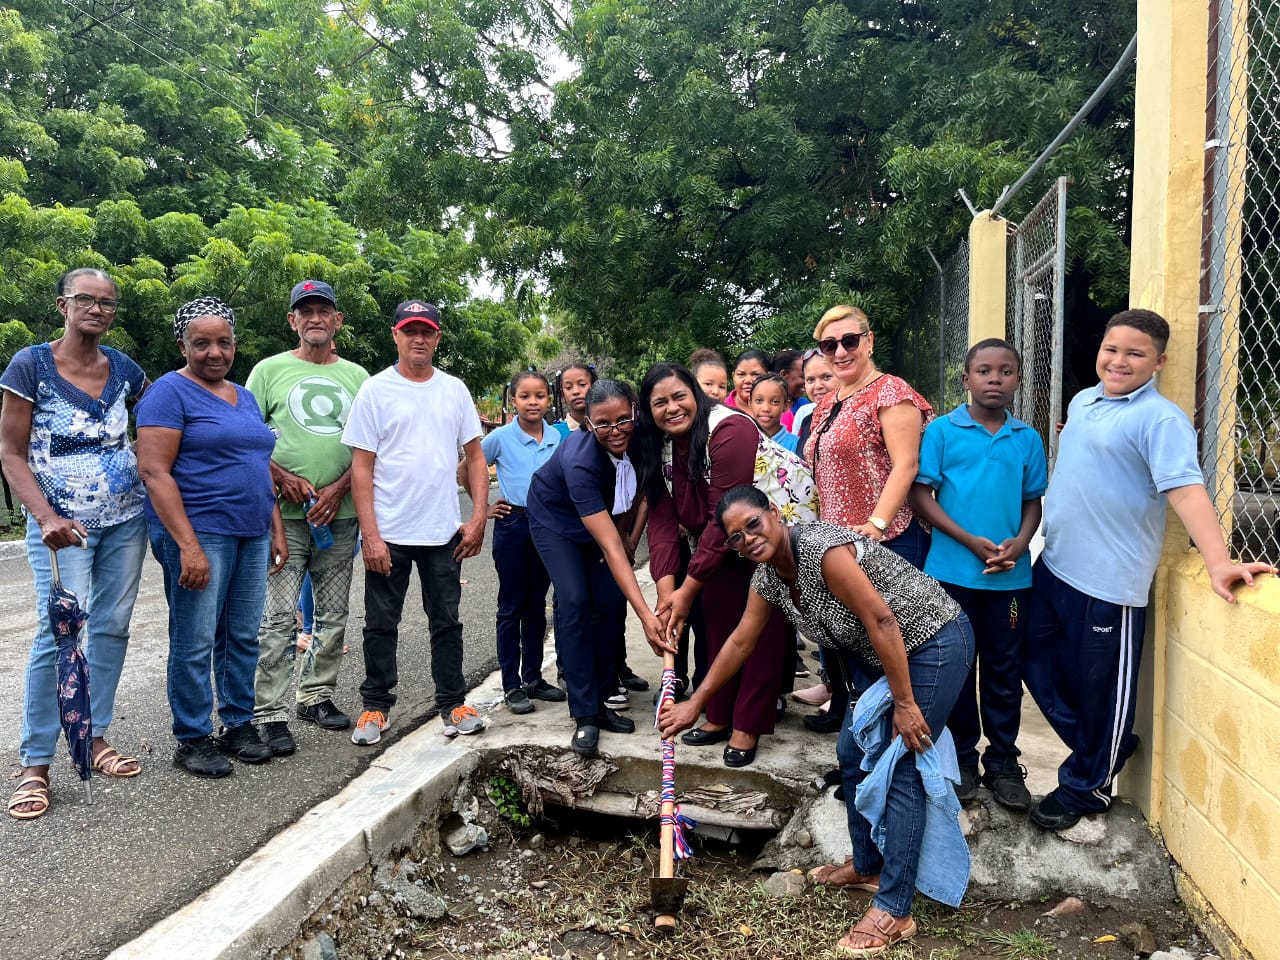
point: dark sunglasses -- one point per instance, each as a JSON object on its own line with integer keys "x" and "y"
{"x": 750, "y": 528}
{"x": 849, "y": 341}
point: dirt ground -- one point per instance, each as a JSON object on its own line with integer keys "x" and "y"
{"x": 576, "y": 886}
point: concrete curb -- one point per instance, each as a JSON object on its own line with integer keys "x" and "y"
{"x": 13, "y": 550}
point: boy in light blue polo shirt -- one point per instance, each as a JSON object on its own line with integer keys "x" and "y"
{"x": 1125, "y": 452}
{"x": 981, "y": 476}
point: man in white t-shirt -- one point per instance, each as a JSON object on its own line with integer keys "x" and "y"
{"x": 406, "y": 429}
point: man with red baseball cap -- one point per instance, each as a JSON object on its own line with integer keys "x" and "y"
{"x": 407, "y": 426}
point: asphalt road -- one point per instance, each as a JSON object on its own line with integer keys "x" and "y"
{"x": 82, "y": 879}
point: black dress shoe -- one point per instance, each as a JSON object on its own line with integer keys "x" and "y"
{"x": 823, "y": 722}
{"x": 699, "y": 737}
{"x": 1051, "y": 814}
{"x": 967, "y": 790}
{"x": 632, "y": 681}
{"x": 324, "y": 714}
{"x": 615, "y": 722}
{"x": 243, "y": 743}
{"x": 586, "y": 738}
{"x": 735, "y": 757}
{"x": 201, "y": 758}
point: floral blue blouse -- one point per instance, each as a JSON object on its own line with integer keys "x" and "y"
{"x": 80, "y": 451}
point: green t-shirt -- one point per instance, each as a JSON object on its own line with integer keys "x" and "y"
{"x": 307, "y": 404}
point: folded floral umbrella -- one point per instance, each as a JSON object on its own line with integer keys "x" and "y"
{"x": 67, "y": 618}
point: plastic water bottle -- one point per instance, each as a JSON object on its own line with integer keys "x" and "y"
{"x": 321, "y": 535}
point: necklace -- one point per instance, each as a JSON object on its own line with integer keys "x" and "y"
{"x": 875, "y": 375}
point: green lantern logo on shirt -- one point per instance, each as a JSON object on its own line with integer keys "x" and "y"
{"x": 319, "y": 405}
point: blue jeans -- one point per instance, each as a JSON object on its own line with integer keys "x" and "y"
{"x": 215, "y": 626}
{"x": 523, "y": 583}
{"x": 938, "y": 668}
{"x": 105, "y": 577}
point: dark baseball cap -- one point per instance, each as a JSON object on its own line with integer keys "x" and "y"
{"x": 311, "y": 288}
{"x": 416, "y": 311}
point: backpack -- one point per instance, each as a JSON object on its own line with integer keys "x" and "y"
{"x": 780, "y": 475}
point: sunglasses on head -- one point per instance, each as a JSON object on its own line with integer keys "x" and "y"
{"x": 750, "y": 528}
{"x": 849, "y": 341}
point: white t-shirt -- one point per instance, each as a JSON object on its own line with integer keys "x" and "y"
{"x": 416, "y": 432}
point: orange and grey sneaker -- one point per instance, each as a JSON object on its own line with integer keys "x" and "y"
{"x": 369, "y": 728}
{"x": 462, "y": 720}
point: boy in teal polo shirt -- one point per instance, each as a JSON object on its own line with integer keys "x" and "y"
{"x": 981, "y": 476}
{"x": 1124, "y": 454}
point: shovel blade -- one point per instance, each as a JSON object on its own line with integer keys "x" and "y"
{"x": 666, "y": 894}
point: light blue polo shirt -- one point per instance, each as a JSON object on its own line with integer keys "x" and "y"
{"x": 518, "y": 455}
{"x": 1104, "y": 513}
{"x": 981, "y": 479}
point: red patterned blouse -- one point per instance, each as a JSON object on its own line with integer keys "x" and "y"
{"x": 847, "y": 452}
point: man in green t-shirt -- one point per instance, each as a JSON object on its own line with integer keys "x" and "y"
{"x": 305, "y": 395}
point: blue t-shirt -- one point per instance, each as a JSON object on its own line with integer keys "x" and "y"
{"x": 223, "y": 465}
{"x": 79, "y": 449}
{"x": 982, "y": 480}
{"x": 518, "y": 455}
{"x": 1104, "y": 512}
{"x": 576, "y": 482}
{"x": 786, "y": 439}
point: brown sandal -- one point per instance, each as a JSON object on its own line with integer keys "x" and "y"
{"x": 877, "y": 925}
{"x": 113, "y": 763}
{"x": 843, "y": 875}
{"x": 38, "y": 795}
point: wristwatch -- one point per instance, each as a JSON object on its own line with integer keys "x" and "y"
{"x": 877, "y": 523}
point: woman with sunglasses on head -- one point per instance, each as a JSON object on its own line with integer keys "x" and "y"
{"x": 573, "y": 499}
{"x": 65, "y": 450}
{"x": 688, "y": 453}
{"x": 848, "y": 593}
{"x": 864, "y": 442}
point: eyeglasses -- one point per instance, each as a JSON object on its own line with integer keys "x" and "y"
{"x": 604, "y": 429}
{"x": 750, "y": 528}
{"x": 849, "y": 341}
{"x": 85, "y": 301}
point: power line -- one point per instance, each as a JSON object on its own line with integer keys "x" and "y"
{"x": 196, "y": 80}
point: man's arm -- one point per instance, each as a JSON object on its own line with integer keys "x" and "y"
{"x": 478, "y": 488}
{"x": 376, "y": 555}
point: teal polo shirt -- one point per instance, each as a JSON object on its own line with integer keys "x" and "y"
{"x": 518, "y": 455}
{"x": 981, "y": 481}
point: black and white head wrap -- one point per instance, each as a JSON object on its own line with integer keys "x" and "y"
{"x": 201, "y": 307}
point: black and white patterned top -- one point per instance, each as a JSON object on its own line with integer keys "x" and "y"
{"x": 920, "y": 605}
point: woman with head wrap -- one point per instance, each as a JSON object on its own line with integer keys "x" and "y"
{"x": 204, "y": 454}
{"x": 65, "y": 449}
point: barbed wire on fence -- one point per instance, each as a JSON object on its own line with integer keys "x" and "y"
{"x": 1238, "y": 356}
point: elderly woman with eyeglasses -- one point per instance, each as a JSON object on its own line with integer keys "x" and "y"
{"x": 65, "y": 451}
{"x": 573, "y": 500}
{"x": 216, "y": 531}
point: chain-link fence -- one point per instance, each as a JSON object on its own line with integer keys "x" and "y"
{"x": 1037, "y": 264}
{"x": 1237, "y": 395}
{"x": 936, "y": 337}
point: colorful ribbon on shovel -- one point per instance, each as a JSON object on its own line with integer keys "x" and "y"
{"x": 679, "y": 822}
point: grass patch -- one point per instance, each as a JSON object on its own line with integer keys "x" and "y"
{"x": 1021, "y": 944}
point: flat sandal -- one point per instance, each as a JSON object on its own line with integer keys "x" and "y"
{"x": 879, "y": 925}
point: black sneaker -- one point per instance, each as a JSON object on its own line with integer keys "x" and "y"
{"x": 243, "y": 743}
{"x": 1051, "y": 814}
{"x": 541, "y": 690}
{"x": 615, "y": 722}
{"x": 823, "y": 722}
{"x": 201, "y": 758}
{"x": 323, "y": 714}
{"x": 967, "y": 788}
{"x": 275, "y": 734}
{"x": 629, "y": 679}
{"x": 618, "y": 700}
{"x": 518, "y": 701}
{"x": 1009, "y": 786}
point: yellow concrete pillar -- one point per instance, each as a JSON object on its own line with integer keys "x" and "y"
{"x": 1168, "y": 192}
{"x": 988, "y": 276}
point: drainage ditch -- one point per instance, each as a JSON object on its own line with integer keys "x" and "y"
{"x": 508, "y": 869}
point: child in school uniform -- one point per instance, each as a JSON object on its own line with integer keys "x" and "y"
{"x": 518, "y": 449}
{"x": 1125, "y": 454}
{"x": 981, "y": 476}
{"x": 770, "y": 399}
{"x": 712, "y": 375}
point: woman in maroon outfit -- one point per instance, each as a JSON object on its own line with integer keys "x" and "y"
{"x": 688, "y": 454}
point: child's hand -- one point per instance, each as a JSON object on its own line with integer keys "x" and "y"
{"x": 1224, "y": 576}
{"x": 1006, "y": 556}
{"x": 982, "y": 548}
{"x": 500, "y": 508}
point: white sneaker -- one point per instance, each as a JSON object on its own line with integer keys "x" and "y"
{"x": 462, "y": 720}
{"x": 618, "y": 700}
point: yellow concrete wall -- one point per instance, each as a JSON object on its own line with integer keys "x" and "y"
{"x": 1208, "y": 772}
